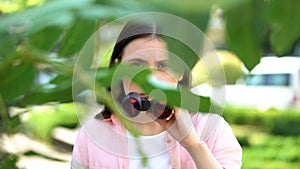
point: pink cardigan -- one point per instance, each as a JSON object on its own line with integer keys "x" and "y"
{"x": 102, "y": 145}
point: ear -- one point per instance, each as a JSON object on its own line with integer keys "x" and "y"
{"x": 185, "y": 79}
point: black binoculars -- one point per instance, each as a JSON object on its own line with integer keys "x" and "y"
{"x": 134, "y": 103}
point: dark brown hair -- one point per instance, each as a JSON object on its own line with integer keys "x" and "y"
{"x": 130, "y": 32}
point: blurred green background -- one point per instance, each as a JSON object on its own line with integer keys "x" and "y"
{"x": 40, "y": 40}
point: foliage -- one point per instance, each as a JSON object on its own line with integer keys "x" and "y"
{"x": 264, "y": 149}
{"x": 17, "y": 5}
{"x": 229, "y": 63}
{"x": 46, "y": 39}
{"x": 8, "y": 160}
{"x": 41, "y": 120}
{"x": 278, "y": 122}
{"x": 272, "y": 152}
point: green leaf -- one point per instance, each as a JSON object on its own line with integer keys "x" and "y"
{"x": 32, "y": 20}
{"x": 176, "y": 97}
{"x": 8, "y": 160}
{"x": 15, "y": 124}
{"x": 76, "y": 37}
{"x": 183, "y": 53}
{"x": 34, "y": 153}
{"x": 51, "y": 116}
{"x": 245, "y": 29}
{"x": 193, "y": 6}
{"x": 8, "y": 45}
{"x": 57, "y": 90}
{"x": 195, "y": 11}
{"x": 284, "y": 22}
{"x": 46, "y": 38}
{"x": 103, "y": 12}
{"x": 16, "y": 80}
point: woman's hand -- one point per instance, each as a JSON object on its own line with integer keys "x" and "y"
{"x": 181, "y": 128}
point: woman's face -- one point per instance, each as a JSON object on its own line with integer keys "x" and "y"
{"x": 149, "y": 52}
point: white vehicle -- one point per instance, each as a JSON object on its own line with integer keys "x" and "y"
{"x": 274, "y": 82}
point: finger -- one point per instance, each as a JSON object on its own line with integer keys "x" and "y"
{"x": 164, "y": 123}
{"x": 182, "y": 126}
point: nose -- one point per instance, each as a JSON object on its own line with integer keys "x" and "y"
{"x": 164, "y": 77}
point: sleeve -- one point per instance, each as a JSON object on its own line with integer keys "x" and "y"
{"x": 80, "y": 152}
{"x": 226, "y": 148}
{"x": 222, "y": 142}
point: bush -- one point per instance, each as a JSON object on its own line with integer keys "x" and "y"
{"x": 273, "y": 152}
{"x": 244, "y": 141}
{"x": 285, "y": 123}
{"x": 243, "y": 115}
{"x": 279, "y": 122}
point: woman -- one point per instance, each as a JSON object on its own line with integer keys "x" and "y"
{"x": 179, "y": 140}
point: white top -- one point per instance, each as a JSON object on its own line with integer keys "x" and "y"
{"x": 152, "y": 147}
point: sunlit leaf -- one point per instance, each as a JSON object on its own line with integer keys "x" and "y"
{"x": 52, "y": 13}
{"x": 50, "y": 116}
{"x": 17, "y": 5}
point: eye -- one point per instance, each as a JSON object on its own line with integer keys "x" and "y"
{"x": 162, "y": 65}
{"x": 138, "y": 64}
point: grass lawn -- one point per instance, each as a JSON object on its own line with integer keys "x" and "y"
{"x": 264, "y": 151}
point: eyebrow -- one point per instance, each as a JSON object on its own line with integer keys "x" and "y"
{"x": 137, "y": 60}
{"x": 145, "y": 61}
